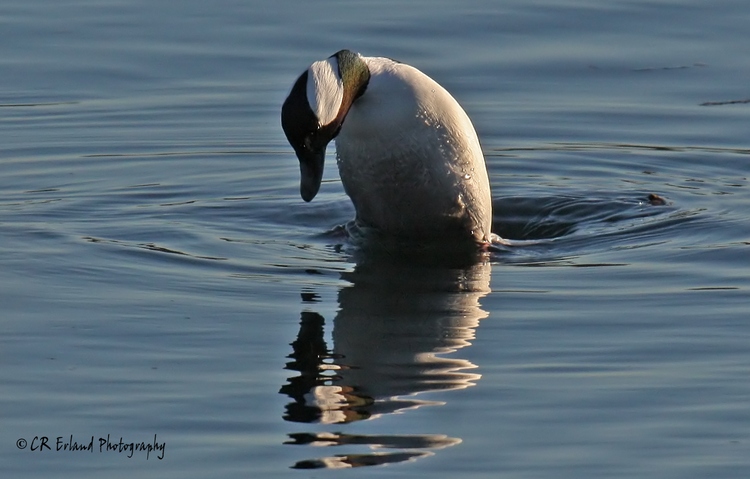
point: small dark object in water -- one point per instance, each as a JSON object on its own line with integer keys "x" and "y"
{"x": 656, "y": 200}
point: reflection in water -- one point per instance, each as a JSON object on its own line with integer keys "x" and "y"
{"x": 395, "y": 324}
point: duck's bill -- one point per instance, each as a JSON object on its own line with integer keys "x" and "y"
{"x": 311, "y": 173}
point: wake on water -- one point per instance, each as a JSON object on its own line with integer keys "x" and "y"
{"x": 527, "y": 228}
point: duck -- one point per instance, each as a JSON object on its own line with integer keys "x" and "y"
{"x": 408, "y": 155}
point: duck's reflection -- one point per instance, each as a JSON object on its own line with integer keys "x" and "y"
{"x": 396, "y": 324}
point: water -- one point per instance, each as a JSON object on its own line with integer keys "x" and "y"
{"x": 160, "y": 276}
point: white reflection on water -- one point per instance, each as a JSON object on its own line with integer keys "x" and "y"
{"x": 396, "y": 323}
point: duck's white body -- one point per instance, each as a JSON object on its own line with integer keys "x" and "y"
{"x": 408, "y": 155}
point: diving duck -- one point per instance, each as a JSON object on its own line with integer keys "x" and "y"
{"x": 408, "y": 155}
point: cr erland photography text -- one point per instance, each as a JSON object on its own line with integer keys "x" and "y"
{"x": 91, "y": 444}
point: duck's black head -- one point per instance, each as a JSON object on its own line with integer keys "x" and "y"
{"x": 315, "y": 109}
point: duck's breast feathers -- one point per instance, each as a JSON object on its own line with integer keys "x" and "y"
{"x": 408, "y": 146}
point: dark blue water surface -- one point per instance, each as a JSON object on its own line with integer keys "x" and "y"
{"x": 162, "y": 283}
